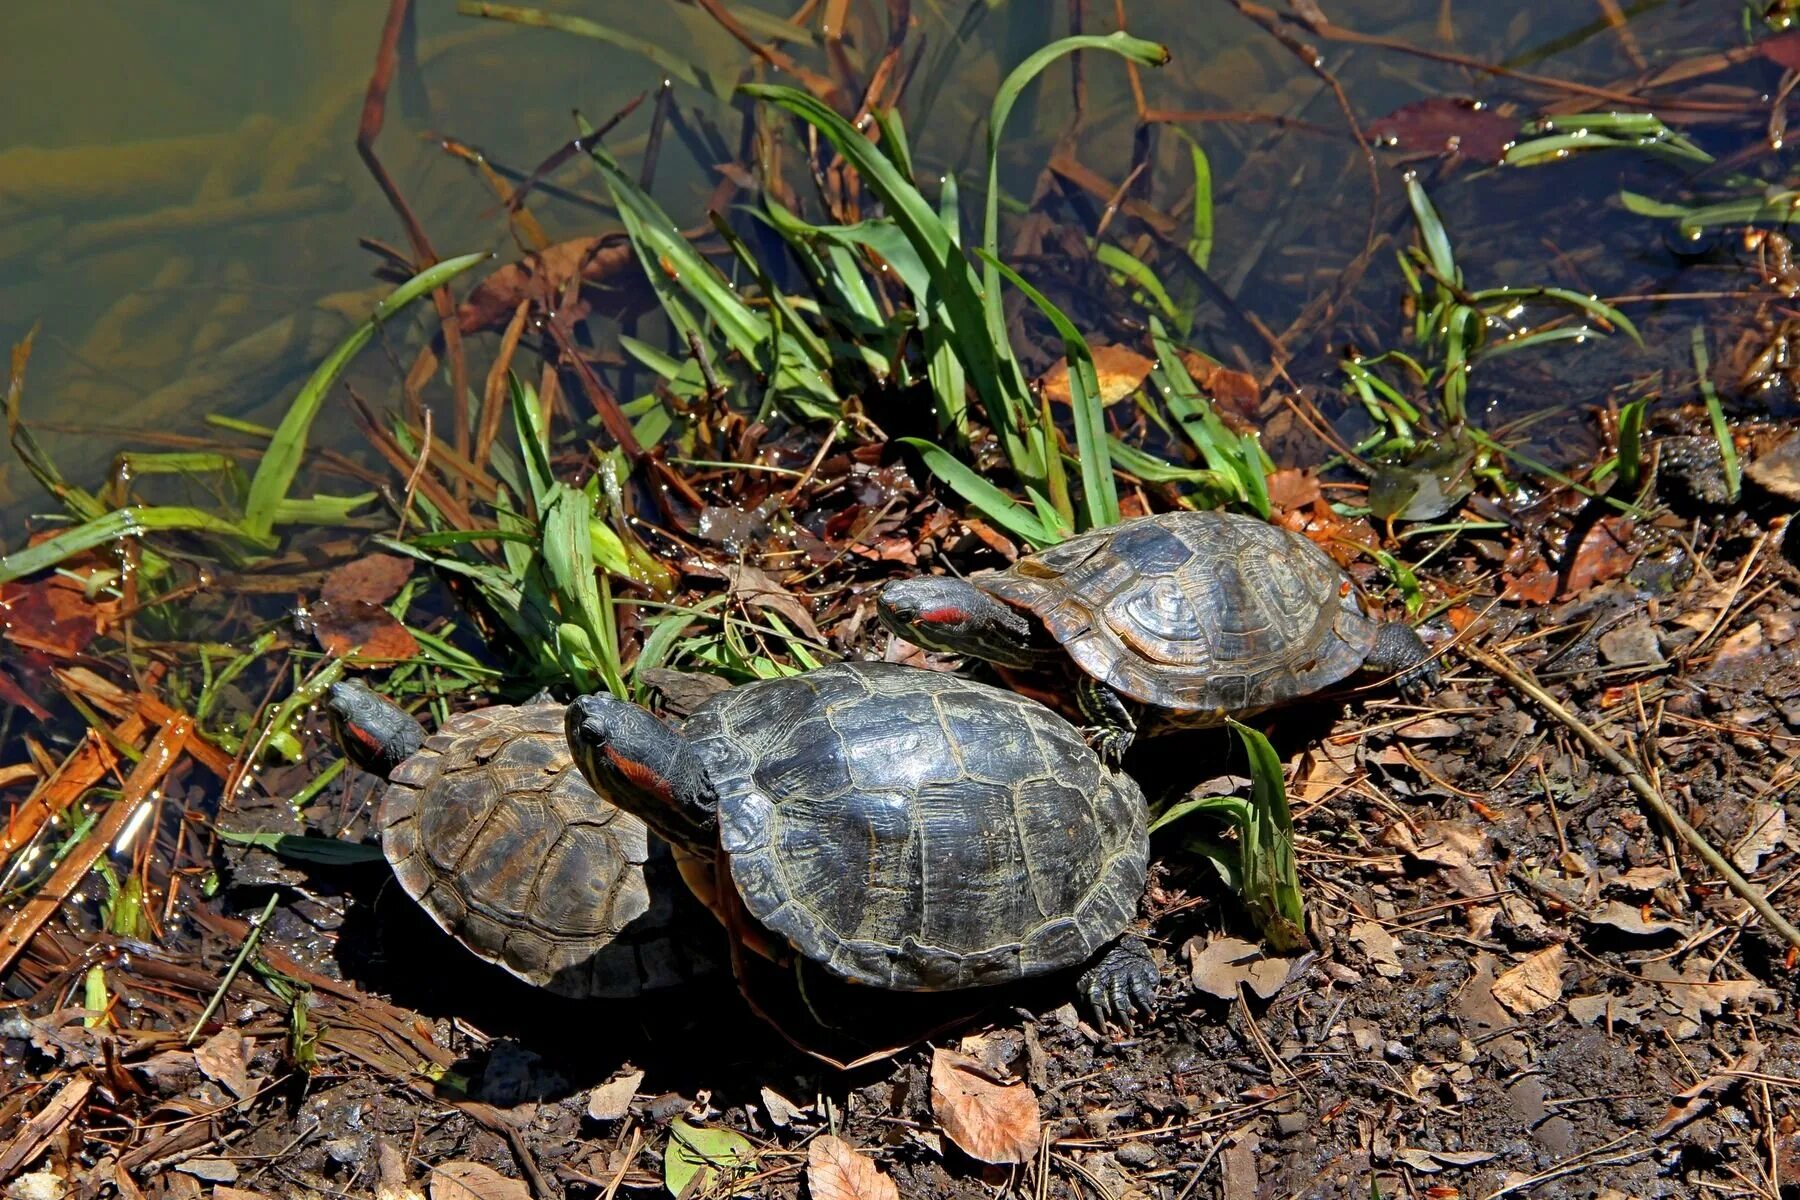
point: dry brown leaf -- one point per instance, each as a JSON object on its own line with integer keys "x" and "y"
{"x": 474, "y": 1181}
{"x": 836, "y": 1170}
{"x": 1605, "y": 553}
{"x": 1236, "y": 391}
{"x": 1424, "y": 729}
{"x": 752, "y": 586}
{"x": 1121, "y": 371}
{"x": 222, "y": 1192}
{"x": 368, "y": 629}
{"x": 1629, "y": 918}
{"x": 374, "y": 578}
{"x": 1432, "y": 1161}
{"x": 1768, "y": 829}
{"x": 391, "y": 1182}
{"x": 1778, "y": 469}
{"x": 1382, "y": 947}
{"x": 1447, "y": 125}
{"x": 1534, "y": 984}
{"x": 1291, "y": 488}
{"x": 1225, "y": 962}
{"x": 991, "y": 1121}
{"x": 222, "y": 1059}
{"x": 612, "y": 1099}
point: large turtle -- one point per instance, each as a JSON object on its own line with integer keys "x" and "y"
{"x": 490, "y": 827}
{"x": 1189, "y": 617}
{"x": 905, "y": 829}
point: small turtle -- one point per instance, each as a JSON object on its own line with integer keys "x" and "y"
{"x": 1191, "y": 616}
{"x": 902, "y": 828}
{"x": 490, "y": 827}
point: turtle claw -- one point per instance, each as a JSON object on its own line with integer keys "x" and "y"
{"x": 1400, "y": 652}
{"x": 1121, "y": 987}
{"x": 1109, "y": 742}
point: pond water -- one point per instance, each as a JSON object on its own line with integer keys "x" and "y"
{"x": 181, "y": 202}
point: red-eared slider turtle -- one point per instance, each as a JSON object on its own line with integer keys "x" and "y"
{"x": 1192, "y": 616}
{"x": 490, "y": 827}
{"x": 905, "y": 829}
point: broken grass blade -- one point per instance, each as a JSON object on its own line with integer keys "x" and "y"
{"x": 1431, "y": 231}
{"x": 237, "y": 964}
{"x": 676, "y": 66}
{"x": 1721, "y": 431}
{"x": 989, "y": 500}
{"x": 281, "y": 461}
{"x": 1592, "y": 305}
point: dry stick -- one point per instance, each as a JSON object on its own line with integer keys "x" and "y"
{"x": 1746, "y": 891}
{"x": 49, "y": 1121}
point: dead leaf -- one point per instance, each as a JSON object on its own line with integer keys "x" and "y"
{"x": 993, "y": 1122}
{"x": 836, "y": 1170}
{"x": 1424, "y": 729}
{"x": 1629, "y": 918}
{"x": 373, "y": 578}
{"x": 1448, "y": 125}
{"x": 1535, "y": 585}
{"x": 1605, "y": 553}
{"x": 1225, "y": 962}
{"x": 541, "y": 277}
{"x": 1695, "y": 997}
{"x": 1777, "y": 469}
{"x": 222, "y": 1192}
{"x": 222, "y": 1059}
{"x": 209, "y": 1168}
{"x": 391, "y": 1182}
{"x": 1588, "y": 1010}
{"x": 612, "y": 1099}
{"x": 368, "y": 629}
{"x": 756, "y": 587}
{"x": 1738, "y": 649}
{"x": 473, "y": 1181}
{"x": 1768, "y": 829}
{"x": 1643, "y": 879}
{"x": 782, "y": 1111}
{"x": 1121, "y": 371}
{"x": 1534, "y": 984}
{"x": 1783, "y": 50}
{"x": 1432, "y": 1161}
{"x": 54, "y": 615}
{"x": 1236, "y": 391}
{"x": 1291, "y": 488}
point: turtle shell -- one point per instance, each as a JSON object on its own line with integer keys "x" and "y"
{"x": 1205, "y": 614}
{"x": 491, "y": 828}
{"x": 918, "y": 831}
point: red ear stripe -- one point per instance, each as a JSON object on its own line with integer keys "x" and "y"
{"x": 364, "y": 736}
{"x": 640, "y": 774}
{"x": 947, "y": 615}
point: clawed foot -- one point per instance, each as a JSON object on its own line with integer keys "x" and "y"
{"x": 1109, "y": 742}
{"x": 1121, "y": 987}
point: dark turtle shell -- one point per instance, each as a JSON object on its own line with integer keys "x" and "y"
{"x": 492, "y": 829}
{"x": 919, "y": 831}
{"x": 1204, "y": 614}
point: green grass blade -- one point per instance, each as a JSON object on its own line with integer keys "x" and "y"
{"x": 130, "y": 522}
{"x": 1431, "y": 230}
{"x": 281, "y": 461}
{"x": 1716, "y": 413}
{"x": 989, "y": 500}
{"x": 1270, "y": 876}
{"x": 1631, "y": 444}
{"x": 674, "y": 65}
{"x": 1099, "y": 490}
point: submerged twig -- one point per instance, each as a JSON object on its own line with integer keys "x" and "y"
{"x": 1647, "y": 791}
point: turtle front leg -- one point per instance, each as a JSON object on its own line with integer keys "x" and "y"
{"x": 1121, "y": 985}
{"x": 1112, "y": 725}
{"x": 1399, "y": 652}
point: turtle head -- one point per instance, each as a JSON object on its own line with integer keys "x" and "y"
{"x": 954, "y": 616}
{"x": 375, "y": 733}
{"x": 633, "y": 759}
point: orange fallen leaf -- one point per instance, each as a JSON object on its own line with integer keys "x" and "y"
{"x": 462, "y": 1180}
{"x": 991, "y": 1121}
{"x": 1235, "y": 390}
{"x": 1291, "y": 488}
{"x": 1121, "y": 370}
{"x": 1605, "y": 553}
{"x": 1534, "y": 984}
{"x": 368, "y": 629}
{"x": 836, "y": 1170}
{"x": 374, "y": 578}
{"x": 1536, "y": 585}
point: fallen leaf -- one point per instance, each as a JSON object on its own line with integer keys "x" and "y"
{"x": 1291, "y": 488}
{"x": 1225, "y": 962}
{"x": 836, "y": 1170}
{"x": 612, "y": 1099}
{"x": 1121, "y": 371}
{"x": 462, "y": 1180}
{"x": 752, "y": 586}
{"x": 221, "y": 1192}
{"x": 1777, "y": 469}
{"x": 1741, "y": 647}
{"x": 391, "y": 1182}
{"x": 211, "y": 1169}
{"x": 991, "y": 1121}
{"x": 1695, "y": 997}
{"x": 541, "y": 277}
{"x": 1432, "y": 1161}
{"x": 1768, "y": 829}
{"x": 222, "y": 1057}
{"x": 1605, "y": 553}
{"x": 373, "y": 578}
{"x": 1588, "y": 1010}
{"x": 1783, "y": 50}
{"x": 704, "y": 1151}
{"x": 1424, "y": 729}
{"x": 54, "y": 615}
{"x": 1697, "y": 1101}
{"x": 1382, "y": 947}
{"x": 782, "y": 1111}
{"x": 1633, "y": 644}
{"x": 368, "y": 629}
{"x": 38, "y": 1185}
{"x": 1643, "y": 879}
{"x": 1534, "y": 984}
{"x": 1535, "y": 585}
{"x": 1235, "y": 391}
{"x": 1447, "y": 125}
{"x": 1629, "y": 918}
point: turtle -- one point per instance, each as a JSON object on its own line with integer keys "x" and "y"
{"x": 1182, "y": 619}
{"x": 907, "y": 829}
{"x": 490, "y": 827}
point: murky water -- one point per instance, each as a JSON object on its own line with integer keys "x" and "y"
{"x": 181, "y": 201}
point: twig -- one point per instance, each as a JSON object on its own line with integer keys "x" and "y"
{"x": 412, "y": 480}
{"x": 1647, "y": 791}
{"x": 237, "y": 964}
{"x": 44, "y": 1125}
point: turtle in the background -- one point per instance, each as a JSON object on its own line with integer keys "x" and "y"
{"x": 1186, "y": 618}
{"x": 904, "y": 829}
{"x": 490, "y": 827}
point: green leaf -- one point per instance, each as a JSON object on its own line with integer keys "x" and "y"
{"x": 133, "y": 521}
{"x": 679, "y": 68}
{"x": 1431, "y": 229}
{"x": 706, "y": 1152}
{"x": 993, "y": 503}
{"x": 1098, "y": 488}
{"x": 1271, "y": 878}
{"x": 331, "y": 852}
{"x": 281, "y": 461}
{"x": 1716, "y": 413}
{"x": 1631, "y": 444}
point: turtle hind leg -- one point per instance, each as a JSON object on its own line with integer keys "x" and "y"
{"x": 1112, "y": 726}
{"x": 1121, "y": 985}
{"x": 1399, "y": 652}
